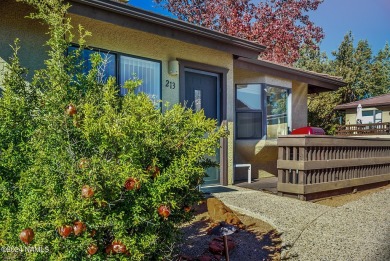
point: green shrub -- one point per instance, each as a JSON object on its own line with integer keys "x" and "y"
{"x": 117, "y": 165}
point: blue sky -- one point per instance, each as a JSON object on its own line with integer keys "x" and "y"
{"x": 367, "y": 19}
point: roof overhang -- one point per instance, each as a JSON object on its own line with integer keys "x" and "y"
{"x": 138, "y": 19}
{"x": 373, "y": 102}
{"x": 347, "y": 106}
{"x": 316, "y": 82}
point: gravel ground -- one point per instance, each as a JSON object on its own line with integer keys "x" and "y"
{"x": 257, "y": 242}
{"x": 248, "y": 248}
{"x": 358, "y": 230}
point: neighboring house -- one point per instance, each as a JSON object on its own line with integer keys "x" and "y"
{"x": 374, "y": 110}
{"x": 180, "y": 62}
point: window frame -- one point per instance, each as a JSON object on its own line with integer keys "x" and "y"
{"x": 263, "y": 110}
{"x": 117, "y": 64}
{"x": 288, "y": 107}
{"x": 374, "y": 111}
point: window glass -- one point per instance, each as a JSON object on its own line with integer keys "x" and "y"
{"x": 367, "y": 113}
{"x": 378, "y": 116}
{"x": 371, "y": 116}
{"x": 249, "y": 125}
{"x": 148, "y": 71}
{"x": 248, "y": 97}
{"x": 106, "y": 69}
{"x": 368, "y": 116}
{"x": 198, "y": 100}
{"x": 276, "y": 103}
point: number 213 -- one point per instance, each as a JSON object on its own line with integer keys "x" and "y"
{"x": 170, "y": 85}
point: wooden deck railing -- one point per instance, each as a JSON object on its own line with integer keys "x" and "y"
{"x": 364, "y": 129}
{"x": 310, "y": 164}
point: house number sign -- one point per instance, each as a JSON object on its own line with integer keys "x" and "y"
{"x": 169, "y": 84}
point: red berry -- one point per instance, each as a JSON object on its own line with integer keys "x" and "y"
{"x": 71, "y": 110}
{"x": 78, "y": 227}
{"x": 132, "y": 183}
{"x": 187, "y": 209}
{"x": 87, "y": 191}
{"x": 164, "y": 211}
{"x": 92, "y": 249}
{"x": 27, "y": 235}
{"x": 65, "y": 231}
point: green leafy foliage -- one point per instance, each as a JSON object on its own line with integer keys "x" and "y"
{"x": 108, "y": 161}
{"x": 366, "y": 75}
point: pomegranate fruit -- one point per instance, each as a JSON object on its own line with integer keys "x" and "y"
{"x": 78, "y": 227}
{"x": 132, "y": 183}
{"x": 83, "y": 163}
{"x": 118, "y": 247}
{"x": 92, "y": 249}
{"x": 71, "y": 110}
{"x": 26, "y": 236}
{"x": 154, "y": 170}
{"x": 87, "y": 191}
{"x": 109, "y": 250}
{"x": 164, "y": 211}
{"x": 65, "y": 231}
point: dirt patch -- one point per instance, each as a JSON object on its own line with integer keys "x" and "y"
{"x": 337, "y": 201}
{"x": 254, "y": 239}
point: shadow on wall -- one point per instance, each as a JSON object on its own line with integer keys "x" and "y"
{"x": 31, "y": 33}
{"x": 261, "y": 154}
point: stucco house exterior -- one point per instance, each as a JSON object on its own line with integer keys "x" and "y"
{"x": 183, "y": 63}
{"x": 374, "y": 110}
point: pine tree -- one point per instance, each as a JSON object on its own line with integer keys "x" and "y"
{"x": 379, "y": 82}
{"x": 365, "y": 76}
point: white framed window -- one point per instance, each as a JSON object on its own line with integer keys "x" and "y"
{"x": 371, "y": 116}
{"x": 149, "y": 71}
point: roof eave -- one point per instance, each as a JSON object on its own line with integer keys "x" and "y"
{"x": 135, "y": 18}
{"x": 354, "y": 106}
{"x": 317, "y": 83}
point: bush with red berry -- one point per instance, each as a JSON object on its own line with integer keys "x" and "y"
{"x": 90, "y": 174}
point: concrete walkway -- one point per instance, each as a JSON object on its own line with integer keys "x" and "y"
{"x": 357, "y": 231}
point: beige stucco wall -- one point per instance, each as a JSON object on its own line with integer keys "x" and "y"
{"x": 132, "y": 42}
{"x": 246, "y": 77}
{"x": 350, "y": 114}
{"x": 385, "y": 114}
{"x": 30, "y": 32}
{"x": 299, "y": 105}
